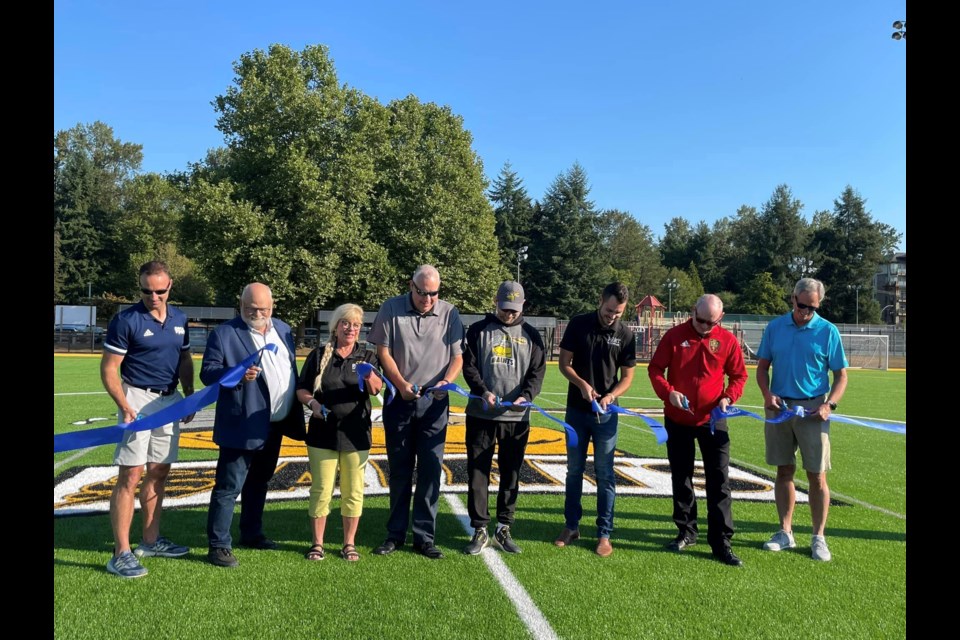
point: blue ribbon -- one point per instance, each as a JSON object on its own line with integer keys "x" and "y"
{"x": 190, "y": 404}
{"x": 364, "y": 369}
{"x": 800, "y": 412}
{"x": 656, "y": 427}
{"x": 572, "y": 439}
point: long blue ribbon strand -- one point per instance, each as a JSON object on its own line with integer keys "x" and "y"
{"x": 190, "y": 404}
{"x": 799, "y": 412}
{"x": 572, "y": 439}
{"x": 656, "y": 427}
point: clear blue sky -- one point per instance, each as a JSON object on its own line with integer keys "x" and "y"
{"x": 674, "y": 109}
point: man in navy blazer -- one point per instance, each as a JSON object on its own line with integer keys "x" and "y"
{"x": 251, "y": 419}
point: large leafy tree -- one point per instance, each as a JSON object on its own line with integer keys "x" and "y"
{"x": 513, "y": 210}
{"x": 762, "y": 296}
{"x": 429, "y": 205}
{"x": 566, "y": 265}
{"x": 90, "y": 169}
{"x": 284, "y": 202}
{"x": 676, "y": 245}
{"x": 780, "y": 234}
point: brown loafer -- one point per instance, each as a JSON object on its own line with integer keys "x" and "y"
{"x": 604, "y": 548}
{"x": 566, "y": 537}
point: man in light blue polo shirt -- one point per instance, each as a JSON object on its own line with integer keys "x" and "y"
{"x": 802, "y": 347}
{"x": 150, "y": 345}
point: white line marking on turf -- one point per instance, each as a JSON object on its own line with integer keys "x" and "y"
{"x": 532, "y": 617}
{"x": 833, "y": 493}
{"x": 78, "y": 454}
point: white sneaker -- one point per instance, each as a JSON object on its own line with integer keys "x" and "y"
{"x": 819, "y": 550}
{"x": 781, "y": 540}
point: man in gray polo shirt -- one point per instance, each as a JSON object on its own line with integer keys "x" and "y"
{"x": 419, "y": 344}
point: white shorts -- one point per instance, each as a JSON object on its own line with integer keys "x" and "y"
{"x": 157, "y": 445}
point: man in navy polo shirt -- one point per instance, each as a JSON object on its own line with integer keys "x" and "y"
{"x": 149, "y": 344}
{"x": 597, "y": 355}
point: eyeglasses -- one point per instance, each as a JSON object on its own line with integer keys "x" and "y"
{"x": 707, "y": 322}
{"x": 257, "y": 310}
{"x": 346, "y": 324}
{"x": 150, "y": 292}
{"x": 426, "y": 294}
{"x": 804, "y": 307}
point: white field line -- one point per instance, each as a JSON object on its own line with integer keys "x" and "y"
{"x": 68, "y": 460}
{"x": 532, "y": 617}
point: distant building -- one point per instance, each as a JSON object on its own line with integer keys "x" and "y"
{"x": 890, "y": 289}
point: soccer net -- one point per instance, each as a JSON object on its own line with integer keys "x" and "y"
{"x": 866, "y": 351}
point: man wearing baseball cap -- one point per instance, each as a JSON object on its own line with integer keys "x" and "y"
{"x": 504, "y": 360}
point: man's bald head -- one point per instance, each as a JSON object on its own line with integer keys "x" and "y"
{"x": 256, "y": 305}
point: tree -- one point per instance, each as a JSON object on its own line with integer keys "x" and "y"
{"x": 696, "y": 286}
{"x": 90, "y": 168}
{"x": 762, "y": 296}
{"x": 631, "y": 252}
{"x": 57, "y": 260}
{"x": 851, "y": 244}
{"x": 779, "y": 234}
{"x": 513, "y": 210}
{"x": 566, "y": 265}
{"x": 676, "y": 250}
{"x": 431, "y": 205}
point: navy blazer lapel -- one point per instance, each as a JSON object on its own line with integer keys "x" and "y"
{"x": 243, "y": 331}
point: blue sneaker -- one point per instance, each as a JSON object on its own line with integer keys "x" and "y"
{"x": 126, "y": 565}
{"x": 162, "y": 548}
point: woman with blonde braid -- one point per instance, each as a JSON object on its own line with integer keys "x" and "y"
{"x": 339, "y": 429}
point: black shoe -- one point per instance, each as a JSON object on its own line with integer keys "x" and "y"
{"x": 263, "y": 543}
{"x": 222, "y": 557}
{"x": 480, "y": 542}
{"x": 727, "y": 556}
{"x": 506, "y": 542}
{"x": 388, "y": 547}
{"x": 680, "y": 543}
{"x": 429, "y": 550}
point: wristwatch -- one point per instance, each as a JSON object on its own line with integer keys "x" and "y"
{"x": 833, "y": 406}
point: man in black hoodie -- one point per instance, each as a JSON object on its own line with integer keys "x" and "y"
{"x": 504, "y": 360}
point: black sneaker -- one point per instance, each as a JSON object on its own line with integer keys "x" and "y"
{"x": 505, "y": 541}
{"x": 480, "y": 542}
{"x": 727, "y": 556}
{"x": 222, "y": 557}
{"x": 680, "y": 543}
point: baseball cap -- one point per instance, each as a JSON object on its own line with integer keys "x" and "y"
{"x": 510, "y": 296}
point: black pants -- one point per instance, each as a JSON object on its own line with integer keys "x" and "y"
{"x": 715, "y": 451}
{"x": 510, "y": 438}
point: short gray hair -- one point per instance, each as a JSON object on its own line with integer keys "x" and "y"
{"x": 428, "y": 271}
{"x": 810, "y": 285}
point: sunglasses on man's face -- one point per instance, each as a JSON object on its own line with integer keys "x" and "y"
{"x": 426, "y": 294}
{"x": 805, "y": 307}
{"x": 150, "y": 292}
{"x": 707, "y": 323}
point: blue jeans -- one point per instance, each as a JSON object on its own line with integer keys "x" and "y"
{"x": 604, "y": 435}
{"x": 245, "y": 473}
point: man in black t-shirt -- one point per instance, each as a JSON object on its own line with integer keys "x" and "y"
{"x": 595, "y": 349}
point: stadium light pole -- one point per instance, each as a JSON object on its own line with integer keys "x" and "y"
{"x": 857, "y": 288}
{"x": 671, "y": 285}
{"x": 521, "y": 255}
{"x": 900, "y": 30}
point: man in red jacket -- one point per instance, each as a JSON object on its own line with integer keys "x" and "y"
{"x": 696, "y": 356}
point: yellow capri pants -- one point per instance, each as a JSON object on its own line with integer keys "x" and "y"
{"x": 323, "y": 471}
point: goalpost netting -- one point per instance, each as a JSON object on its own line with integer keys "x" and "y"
{"x": 866, "y": 351}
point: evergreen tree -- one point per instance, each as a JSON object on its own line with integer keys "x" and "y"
{"x": 513, "y": 211}
{"x": 566, "y": 265}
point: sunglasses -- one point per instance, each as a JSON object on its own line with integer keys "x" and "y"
{"x": 150, "y": 292}
{"x": 707, "y": 322}
{"x": 805, "y": 307}
{"x": 426, "y": 294}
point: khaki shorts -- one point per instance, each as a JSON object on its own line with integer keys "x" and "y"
{"x": 157, "y": 445}
{"x": 811, "y": 435}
